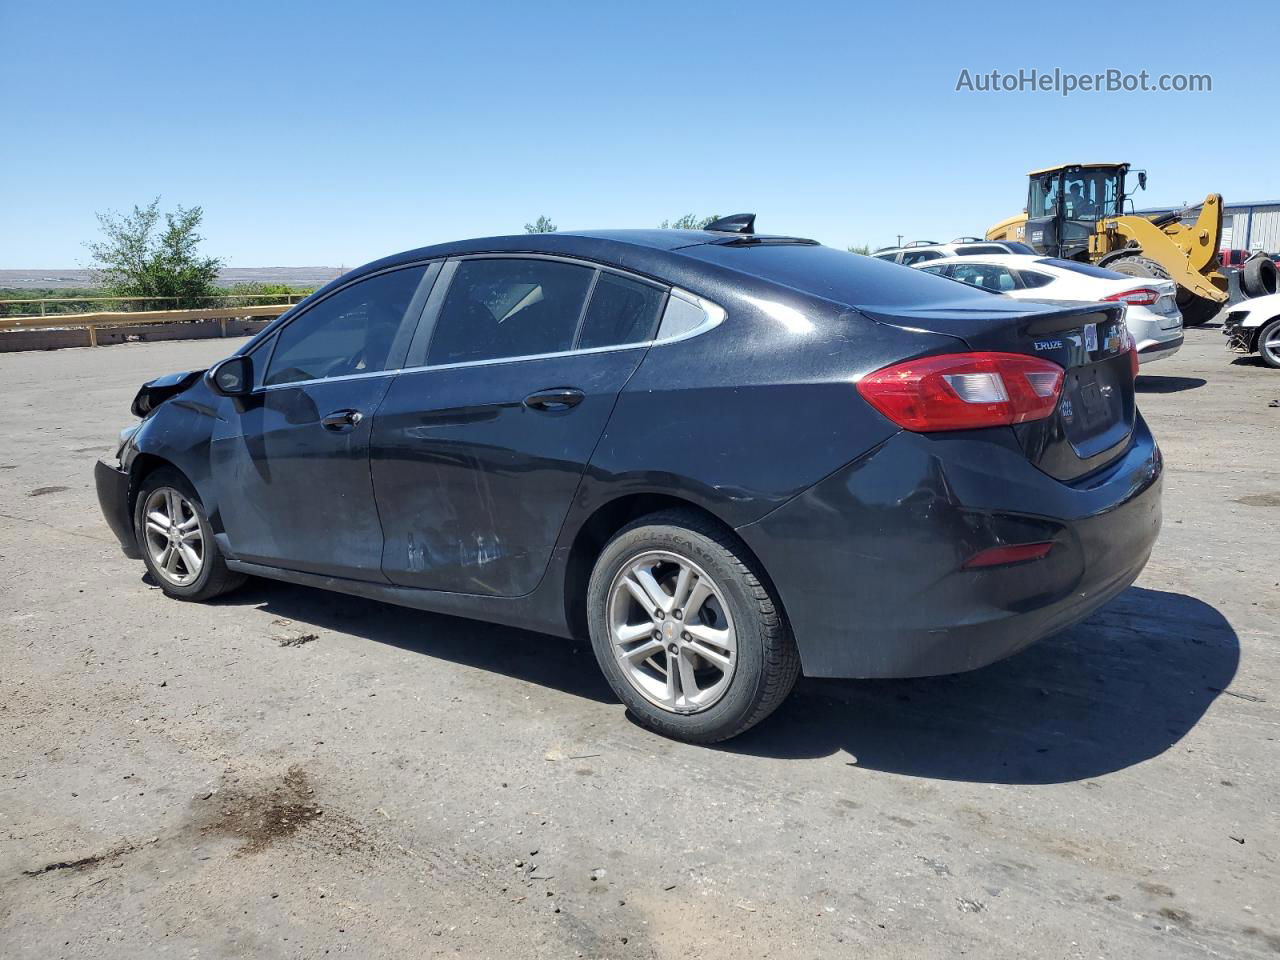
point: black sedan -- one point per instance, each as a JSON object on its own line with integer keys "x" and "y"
{"x": 725, "y": 457}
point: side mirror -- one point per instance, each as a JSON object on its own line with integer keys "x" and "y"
{"x": 1142, "y": 179}
{"x": 233, "y": 377}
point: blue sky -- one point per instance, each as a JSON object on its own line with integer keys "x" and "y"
{"x": 327, "y": 133}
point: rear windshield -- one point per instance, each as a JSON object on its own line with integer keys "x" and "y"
{"x": 1088, "y": 269}
{"x": 843, "y": 277}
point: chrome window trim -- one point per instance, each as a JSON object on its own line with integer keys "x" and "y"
{"x": 346, "y": 376}
{"x": 713, "y": 316}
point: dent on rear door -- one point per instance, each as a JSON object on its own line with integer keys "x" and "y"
{"x": 472, "y": 486}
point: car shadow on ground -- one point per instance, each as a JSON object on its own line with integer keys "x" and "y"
{"x": 1249, "y": 360}
{"x": 539, "y": 658}
{"x": 1149, "y": 384}
{"x": 1119, "y": 688}
{"x": 1113, "y": 691}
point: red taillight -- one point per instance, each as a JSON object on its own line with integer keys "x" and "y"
{"x": 1141, "y": 297}
{"x": 1134, "y": 359}
{"x": 1015, "y": 553}
{"x": 964, "y": 391}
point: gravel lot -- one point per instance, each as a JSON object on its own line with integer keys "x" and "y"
{"x": 289, "y": 773}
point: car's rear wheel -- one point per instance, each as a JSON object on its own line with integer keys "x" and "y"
{"x": 686, "y": 630}
{"x": 177, "y": 541}
{"x": 1269, "y": 343}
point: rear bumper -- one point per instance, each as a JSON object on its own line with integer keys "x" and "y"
{"x": 868, "y": 562}
{"x": 1159, "y": 349}
{"x": 113, "y": 498}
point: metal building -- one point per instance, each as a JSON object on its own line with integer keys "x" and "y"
{"x": 1245, "y": 226}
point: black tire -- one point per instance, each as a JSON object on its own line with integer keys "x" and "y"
{"x": 213, "y": 578}
{"x": 1136, "y": 265}
{"x": 767, "y": 661}
{"x": 1195, "y": 309}
{"x": 1258, "y": 277}
{"x": 1269, "y": 333}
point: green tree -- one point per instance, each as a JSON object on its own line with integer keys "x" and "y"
{"x": 541, "y": 225}
{"x": 864, "y": 249}
{"x": 690, "y": 221}
{"x": 143, "y": 257}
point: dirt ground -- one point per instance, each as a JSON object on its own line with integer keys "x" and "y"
{"x": 289, "y": 773}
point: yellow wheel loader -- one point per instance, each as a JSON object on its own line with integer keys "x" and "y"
{"x": 1076, "y": 212}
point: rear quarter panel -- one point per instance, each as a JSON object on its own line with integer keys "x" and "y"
{"x": 740, "y": 419}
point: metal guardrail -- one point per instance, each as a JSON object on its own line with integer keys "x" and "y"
{"x": 41, "y": 302}
{"x": 93, "y": 321}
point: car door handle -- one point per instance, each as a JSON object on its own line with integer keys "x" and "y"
{"x": 341, "y": 419}
{"x": 561, "y": 398}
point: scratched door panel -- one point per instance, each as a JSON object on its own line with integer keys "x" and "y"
{"x": 472, "y": 485}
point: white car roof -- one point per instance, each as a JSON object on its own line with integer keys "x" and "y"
{"x": 1005, "y": 259}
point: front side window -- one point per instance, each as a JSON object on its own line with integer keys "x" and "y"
{"x": 350, "y": 332}
{"x": 499, "y": 308}
{"x": 621, "y": 311}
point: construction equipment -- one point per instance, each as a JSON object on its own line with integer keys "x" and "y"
{"x": 1077, "y": 212}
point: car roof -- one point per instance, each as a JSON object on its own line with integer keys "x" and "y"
{"x": 617, "y": 247}
{"x": 950, "y": 244}
{"x": 1005, "y": 259}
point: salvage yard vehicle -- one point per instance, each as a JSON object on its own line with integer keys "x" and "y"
{"x": 1151, "y": 310}
{"x": 725, "y": 457}
{"x": 1077, "y": 212}
{"x": 918, "y": 251}
{"x": 1253, "y": 326}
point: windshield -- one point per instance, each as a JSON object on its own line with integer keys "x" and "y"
{"x": 1090, "y": 194}
{"x": 1085, "y": 194}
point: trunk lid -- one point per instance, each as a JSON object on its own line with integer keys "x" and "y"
{"x": 1095, "y": 414}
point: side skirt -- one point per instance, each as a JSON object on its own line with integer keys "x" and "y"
{"x": 519, "y": 612}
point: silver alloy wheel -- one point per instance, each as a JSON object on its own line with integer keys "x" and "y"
{"x": 1270, "y": 347}
{"x": 671, "y": 631}
{"x": 175, "y": 541}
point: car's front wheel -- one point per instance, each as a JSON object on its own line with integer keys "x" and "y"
{"x": 177, "y": 541}
{"x": 686, "y": 629}
{"x": 1269, "y": 343}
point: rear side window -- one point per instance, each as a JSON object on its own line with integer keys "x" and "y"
{"x": 352, "y": 331}
{"x": 1031, "y": 279}
{"x": 498, "y": 308}
{"x": 621, "y": 311}
{"x": 911, "y": 257}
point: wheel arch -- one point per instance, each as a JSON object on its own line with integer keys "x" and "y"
{"x": 141, "y": 467}
{"x": 605, "y": 521}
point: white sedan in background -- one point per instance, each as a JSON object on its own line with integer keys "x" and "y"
{"x": 1151, "y": 314}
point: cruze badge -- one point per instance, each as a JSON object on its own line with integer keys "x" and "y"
{"x": 1048, "y": 344}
